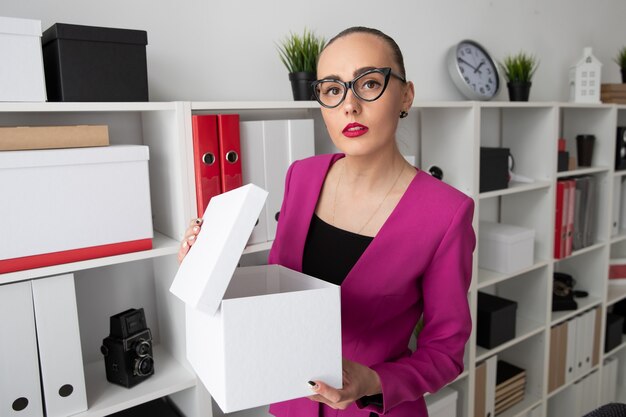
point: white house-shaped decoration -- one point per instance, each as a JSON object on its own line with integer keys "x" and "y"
{"x": 584, "y": 79}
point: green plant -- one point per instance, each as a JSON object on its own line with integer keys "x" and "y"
{"x": 519, "y": 67}
{"x": 299, "y": 53}
{"x": 621, "y": 58}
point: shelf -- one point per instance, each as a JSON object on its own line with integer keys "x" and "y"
{"x": 524, "y": 328}
{"x": 516, "y": 187}
{"x": 616, "y": 349}
{"x": 621, "y": 173}
{"x": 85, "y": 107}
{"x": 252, "y": 105}
{"x": 105, "y": 398}
{"x": 487, "y": 277}
{"x": 582, "y": 171}
{"x": 616, "y": 292}
{"x": 518, "y": 104}
{"x": 582, "y": 251}
{"x": 619, "y": 237}
{"x": 161, "y": 246}
{"x": 522, "y": 408}
{"x": 583, "y": 304}
{"x": 567, "y": 384}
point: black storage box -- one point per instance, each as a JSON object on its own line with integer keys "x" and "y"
{"x": 87, "y": 63}
{"x": 494, "y": 168}
{"x": 619, "y": 308}
{"x": 563, "y": 161}
{"x": 496, "y": 320}
{"x": 613, "y": 336}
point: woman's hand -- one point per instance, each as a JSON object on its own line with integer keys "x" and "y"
{"x": 190, "y": 238}
{"x": 358, "y": 381}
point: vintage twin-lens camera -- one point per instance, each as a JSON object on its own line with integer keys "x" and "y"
{"x": 128, "y": 349}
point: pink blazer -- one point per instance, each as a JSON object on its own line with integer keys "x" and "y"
{"x": 420, "y": 262}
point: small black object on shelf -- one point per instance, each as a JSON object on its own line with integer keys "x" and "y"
{"x": 494, "y": 168}
{"x": 613, "y": 335}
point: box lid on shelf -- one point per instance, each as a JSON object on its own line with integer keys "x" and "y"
{"x": 504, "y": 233}
{"x": 17, "y": 26}
{"x": 73, "y": 156}
{"x": 94, "y": 34}
{"x": 204, "y": 275}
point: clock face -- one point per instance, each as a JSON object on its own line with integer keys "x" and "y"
{"x": 473, "y": 71}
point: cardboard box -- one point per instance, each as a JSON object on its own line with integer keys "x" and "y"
{"x": 66, "y": 205}
{"x": 255, "y": 335}
{"x": 52, "y": 137}
{"x": 504, "y": 247}
{"x": 88, "y": 63}
{"x": 21, "y": 72}
{"x": 442, "y": 403}
{"x": 496, "y": 320}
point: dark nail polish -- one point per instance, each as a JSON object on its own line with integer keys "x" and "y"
{"x": 312, "y": 384}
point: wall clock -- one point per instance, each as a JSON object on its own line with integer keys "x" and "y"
{"x": 473, "y": 71}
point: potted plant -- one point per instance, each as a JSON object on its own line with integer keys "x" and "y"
{"x": 621, "y": 61}
{"x": 299, "y": 54}
{"x": 519, "y": 70}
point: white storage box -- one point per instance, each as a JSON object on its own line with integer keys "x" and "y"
{"x": 442, "y": 403}
{"x": 66, "y": 205}
{"x": 505, "y": 248}
{"x": 21, "y": 72}
{"x": 257, "y": 336}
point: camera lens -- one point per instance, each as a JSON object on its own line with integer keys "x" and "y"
{"x": 144, "y": 366}
{"x": 142, "y": 348}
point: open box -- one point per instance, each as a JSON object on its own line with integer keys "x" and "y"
{"x": 255, "y": 335}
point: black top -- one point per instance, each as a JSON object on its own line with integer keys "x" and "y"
{"x": 330, "y": 252}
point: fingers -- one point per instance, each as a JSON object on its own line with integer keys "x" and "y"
{"x": 330, "y": 394}
{"x": 189, "y": 239}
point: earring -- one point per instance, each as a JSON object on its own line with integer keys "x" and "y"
{"x": 403, "y": 114}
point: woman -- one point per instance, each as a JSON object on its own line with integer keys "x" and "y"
{"x": 398, "y": 241}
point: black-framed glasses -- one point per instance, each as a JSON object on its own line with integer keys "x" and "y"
{"x": 368, "y": 86}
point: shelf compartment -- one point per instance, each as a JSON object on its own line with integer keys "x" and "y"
{"x": 105, "y": 398}
{"x": 621, "y": 237}
{"x": 582, "y": 251}
{"x": 589, "y": 267}
{"x": 524, "y": 328}
{"x": 616, "y": 292}
{"x": 258, "y": 247}
{"x": 487, "y": 277}
{"x": 516, "y": 187}
{"x": 617, "y": 349}
{"x": 161, "y": 246}
{"x": 584, "y": 304}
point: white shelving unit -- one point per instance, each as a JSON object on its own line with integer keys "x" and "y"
{"x": 446, "y": 134}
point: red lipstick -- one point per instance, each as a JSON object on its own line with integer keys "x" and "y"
{"x": 353, "y": 130}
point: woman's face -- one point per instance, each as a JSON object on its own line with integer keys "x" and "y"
{"x": 358, "y": 127}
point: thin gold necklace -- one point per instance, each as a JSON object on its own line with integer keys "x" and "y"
{"x": 379, "y": 205}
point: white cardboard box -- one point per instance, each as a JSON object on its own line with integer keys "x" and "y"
{"x": 255, "y": 335}
{"x": 60, "y": 203}
{"x": 21, "y": 72}
{"x": 504, "y": 247}
{"x": 442, "y": 403}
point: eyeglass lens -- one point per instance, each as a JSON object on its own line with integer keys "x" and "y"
{"x": 369, "y": 87}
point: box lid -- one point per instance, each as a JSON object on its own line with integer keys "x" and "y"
{"x": 505, "y": 233}
{"x": 204, "y": 275}
{"x": 16, "y": 26}
{"x": 94, "y": 34}
{"x": 73, "y": 156}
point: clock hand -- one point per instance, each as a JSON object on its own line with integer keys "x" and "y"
{"x": 478, "y": 67}
{"x": 468, "y": 64}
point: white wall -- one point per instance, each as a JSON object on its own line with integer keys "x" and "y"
{"x": 225, "y": 49}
